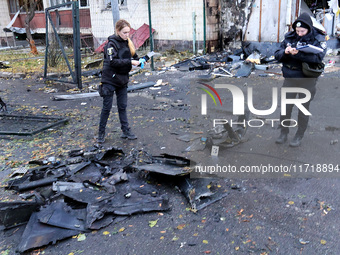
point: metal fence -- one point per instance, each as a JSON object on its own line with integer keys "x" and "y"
{"x": 62, "y": 55}
{"x": 66, "y": 48}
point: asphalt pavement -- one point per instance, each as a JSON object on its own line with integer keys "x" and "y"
{"x": 295, "y": 211}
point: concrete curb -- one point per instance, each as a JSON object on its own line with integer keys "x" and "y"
{"x": 8, "y": 75}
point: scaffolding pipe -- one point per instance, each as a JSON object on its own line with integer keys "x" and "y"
{"x": 204, "y": 29}
{"x": 151, "y": 37}
{"x": 194, "y": 32}
{"x": 260, "y": 21}
{"x": 278, "y": 25}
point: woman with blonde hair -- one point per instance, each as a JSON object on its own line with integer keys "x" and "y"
{"x": 119, "y": 57}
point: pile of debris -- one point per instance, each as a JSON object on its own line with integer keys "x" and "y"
{"x": 94, "y": 188}
{"x": 240, "y": 63}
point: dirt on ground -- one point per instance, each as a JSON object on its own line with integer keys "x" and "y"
{"x": 258, "y": 216}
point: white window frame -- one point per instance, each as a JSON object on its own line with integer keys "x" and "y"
{"x": 56, "y": 2}
{"x": 122, "y": 4}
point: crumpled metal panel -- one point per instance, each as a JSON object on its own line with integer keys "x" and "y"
{"x": 37, "y": 234}
{"x": 58, "y": 214}
{"x": 126, "y": 206}
{"x": 16, "y": 213}
{"x": 168, "y": 165}
{"x": 139, "y": 36}
{"x": 87, "y": 195}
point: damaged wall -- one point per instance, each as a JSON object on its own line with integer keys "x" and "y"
{"x": 234, "y": 17}
{"x": 212, "y": 10}
{"x": 270, "y": 20}
{"x": 256, "y": 20}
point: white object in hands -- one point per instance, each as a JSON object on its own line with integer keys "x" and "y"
{"x": 309, "y": 49}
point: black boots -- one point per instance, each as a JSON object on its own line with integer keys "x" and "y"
{"x": 127, "y": 134}
{"x": 282, "y": 138}
{"x": 296, "y": 141}
{"x": 101, "y": 137}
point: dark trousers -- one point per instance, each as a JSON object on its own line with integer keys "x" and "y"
{"x": 121, "y": 95}
{"x": 306, "y": 83}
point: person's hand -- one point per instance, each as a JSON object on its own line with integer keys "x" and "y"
{"x": 287, "y": 50}
{"x": 290, "y": 50}
{"x": 135, "y": 62}
{"x": 294, "y": 51}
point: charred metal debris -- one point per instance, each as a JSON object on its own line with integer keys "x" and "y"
{"x": 94, "y": 188}
{"x": 240, "y": 63}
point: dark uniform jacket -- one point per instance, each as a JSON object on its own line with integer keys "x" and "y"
{"x": 117, "y": 62}
{"x": 292, "y": 64}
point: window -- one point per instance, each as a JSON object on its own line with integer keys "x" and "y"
{"x": 14, "y": 5}
{"x": 82, "y": 3}
{"x": 121, "y": 4}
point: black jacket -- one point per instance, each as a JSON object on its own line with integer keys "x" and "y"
{"x": 117, "y": 62}
{"x": 292, "y": 64}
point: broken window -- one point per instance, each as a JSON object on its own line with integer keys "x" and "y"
{"x": 314, "y": 5}
{"x": 121, "y": 4}
{"x": 15, "y": 5}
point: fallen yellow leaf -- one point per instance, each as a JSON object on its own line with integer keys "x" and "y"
{"x": 81, "y": 237}
{"x": 152, "y": 223}
{"x": 291, "y": 202}
{"x": 205, "y": 241}
{"x": 181, "y": 226}
{"x": 323, "y": 242}
{"x": 105, "y": 233}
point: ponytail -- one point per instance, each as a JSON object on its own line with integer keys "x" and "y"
{"x": 131, "y": 47}
{"x": 120, "y": 24}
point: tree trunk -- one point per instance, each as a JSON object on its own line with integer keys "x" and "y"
{"x": 30, "y": 12}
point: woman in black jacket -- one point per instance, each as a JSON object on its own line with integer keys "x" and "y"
{"x": 292, "y": 68}
{"x": 119, "y": 57}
